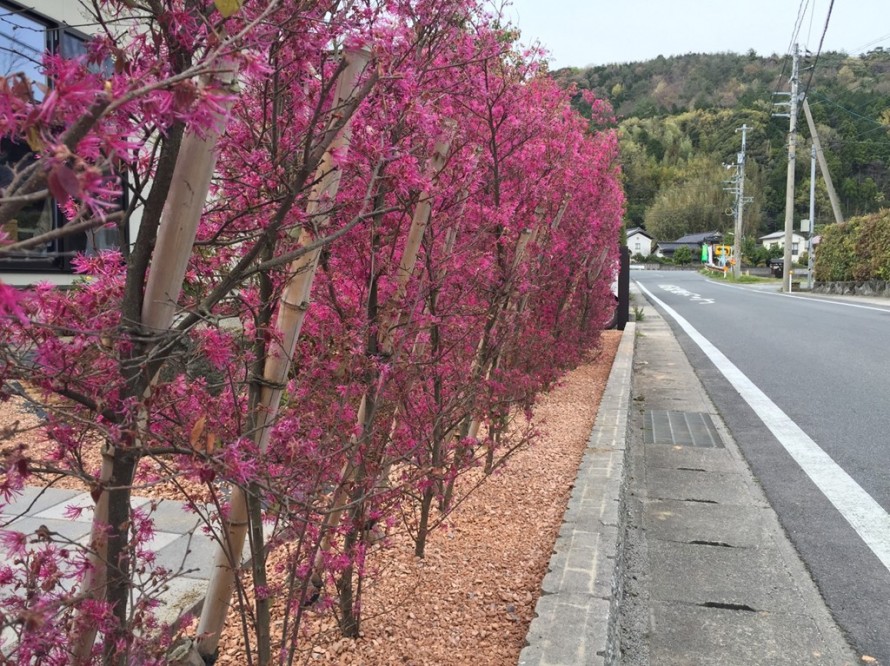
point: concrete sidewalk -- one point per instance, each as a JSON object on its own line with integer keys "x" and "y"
{"x": 694, "y": 568}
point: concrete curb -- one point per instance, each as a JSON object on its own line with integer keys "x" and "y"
{"x": 578, "y": 607}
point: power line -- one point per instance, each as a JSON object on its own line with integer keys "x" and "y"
{"x": 846, "y": 110}
{"x": 819, "y": 50}
{"x": 861, "y": 49}
{"x": 801, "y": 9}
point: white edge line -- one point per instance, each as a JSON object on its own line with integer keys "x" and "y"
{"x": 865, "y": 515}
{"x": 830, "y": 301}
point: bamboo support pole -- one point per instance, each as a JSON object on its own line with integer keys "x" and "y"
{"x": 385, "y": 336}
{"x": 190, "y": 184}
{"x": 292, "y": 309}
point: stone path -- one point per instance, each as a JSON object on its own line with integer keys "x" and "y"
{"x": 181, "y": 546}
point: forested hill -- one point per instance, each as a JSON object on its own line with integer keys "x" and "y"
{"x": 678, "y": 118}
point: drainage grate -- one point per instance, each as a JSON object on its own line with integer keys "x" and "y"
{"x": 680, "y": 429}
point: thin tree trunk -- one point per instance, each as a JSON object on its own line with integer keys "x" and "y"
{"x": 190, "y": 183}
{"x": 384, "y": 346}
{"x": 483, "y": 363}
{"x": 292, "y": 309}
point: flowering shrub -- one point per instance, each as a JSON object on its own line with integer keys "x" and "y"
{"x": 370, "y": 235}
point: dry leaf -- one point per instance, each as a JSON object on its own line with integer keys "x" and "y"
{"x": 35, "y": 142}
{"x": 197, "y": 431}
{"x": 227, "y": 7}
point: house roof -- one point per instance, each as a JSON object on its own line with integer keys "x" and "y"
{"x": 670, "y": 247}
{"x": 778, "y": 234}
{"x": 638, "y": 230}
{"x": 705, "y": 237}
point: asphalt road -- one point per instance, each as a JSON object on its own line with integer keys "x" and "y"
{"x": 800, "y": 376}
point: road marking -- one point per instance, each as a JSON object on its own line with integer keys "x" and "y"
{"x": 859, "y": 508}
{"x": 831, "y": 301}
{"x": 674, "y": 289}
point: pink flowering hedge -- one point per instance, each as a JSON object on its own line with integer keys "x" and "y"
{"x": 452, "y": 224}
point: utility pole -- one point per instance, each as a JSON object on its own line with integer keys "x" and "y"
{"x": 789, "y": 184}
{"x": 740, "y": 205}
{"x": 812, "y": 228}
{"x": 823, "y": 165}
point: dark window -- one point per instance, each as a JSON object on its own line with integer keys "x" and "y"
{"x": 24, "y": 37}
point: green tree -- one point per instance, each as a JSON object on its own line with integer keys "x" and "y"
{"x": 683, "y": 255}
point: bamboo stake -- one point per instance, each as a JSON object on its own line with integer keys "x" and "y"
{"x": 481, "y": 367}
{"x": 176, "y": 236}
{"x": 292, "y": 309}
{"x": 419, "y": 222}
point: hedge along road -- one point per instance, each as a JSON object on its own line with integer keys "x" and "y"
{"x": 802, "y": 384}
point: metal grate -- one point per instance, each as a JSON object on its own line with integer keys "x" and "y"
{"x": 680, "y": 429}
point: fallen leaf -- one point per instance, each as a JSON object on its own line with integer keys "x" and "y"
{"x": 227, "y": 7}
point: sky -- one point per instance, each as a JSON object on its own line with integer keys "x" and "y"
{"x": 579, "y": 33}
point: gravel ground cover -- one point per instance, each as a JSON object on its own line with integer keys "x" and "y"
{"x": 471, "y": 599}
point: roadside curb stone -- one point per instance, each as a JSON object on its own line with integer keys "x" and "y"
{"x": 577, "y": 610}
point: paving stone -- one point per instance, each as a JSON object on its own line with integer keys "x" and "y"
{"x": 690, "y": 485}
{"x": 34, "y": 500}
{"x": 700, "y": 574}
{"x": 694, "y": 636}
{"x": 198, "y": 563}
{"x": 569, "y": 630}
{"x": 84, "y": 501}
{"x": 740, "y": 526}
{"x": 173, "y": 516}
{"x": 674, "y": 457}
{"x": 64, "y": 531}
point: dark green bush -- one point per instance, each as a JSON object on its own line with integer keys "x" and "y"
{"x": 837, "y": 252}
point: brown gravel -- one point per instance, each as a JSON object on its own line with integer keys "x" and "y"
{"x": 470, "y": 601}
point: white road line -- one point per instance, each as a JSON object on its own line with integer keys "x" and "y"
{"x": 859, "y": 508}
{"x": 830, "y": 301}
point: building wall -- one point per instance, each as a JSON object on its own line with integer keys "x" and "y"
{"x": 639, "y": 244}
{"x": 74, "y": 15}
{"x": 70, "y": 12}
{"x": 798, "y": 244}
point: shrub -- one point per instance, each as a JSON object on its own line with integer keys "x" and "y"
{"x": 858, "y": 249}
{"x": 683, "y": 255}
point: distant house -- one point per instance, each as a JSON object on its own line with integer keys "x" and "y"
{"x": 692, "y": 241}
{"x": 639, "y": 242}
{"x": 777, "y": 239}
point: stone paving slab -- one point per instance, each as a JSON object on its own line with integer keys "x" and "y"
{"x": 681, "y": 484}
{"x": 180, "y": 545}
{"x": 705, "y": 574}
{"x": 34, "y": 500}
{"x": 695, "y": 636}
{"x": 679, "y": 457}
{"x": 568, "y": 629}
{"x": 685, "y": 522}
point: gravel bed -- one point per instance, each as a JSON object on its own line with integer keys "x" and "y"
{"x": 471, "y": 600}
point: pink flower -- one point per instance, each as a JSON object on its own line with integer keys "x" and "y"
{"x": 10, "y": 304}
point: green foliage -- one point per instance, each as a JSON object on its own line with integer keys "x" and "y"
{"x": 694, "y": 203}
{"x": 681, "y": 112}
{"x": 857, "y": 250}
{"x": 683, "y": 256}
{"x": 873, "y": 247}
